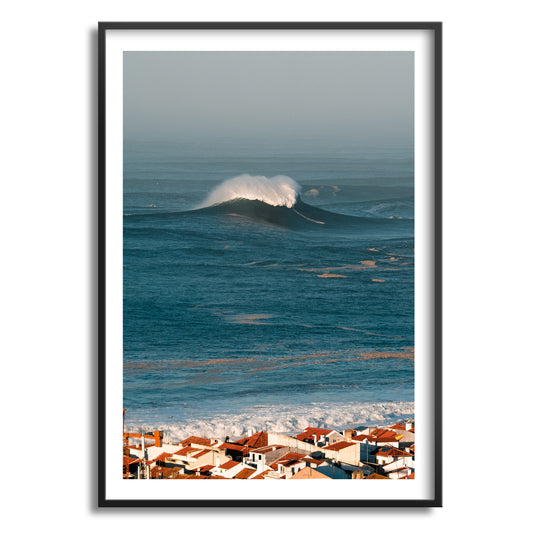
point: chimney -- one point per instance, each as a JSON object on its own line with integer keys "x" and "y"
{"x": 249, "y": 433}
{"x": 408, "y": 426}
{"x": 314, "y": 438}
{"x": 348, "y": 434}
{"x": 158, "y": 435}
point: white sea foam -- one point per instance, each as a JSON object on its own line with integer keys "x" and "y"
{"x": 288, "y": 420}
{"x": 277, "y": 191}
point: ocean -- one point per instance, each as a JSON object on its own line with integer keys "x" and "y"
{"x": 266, "y": 286}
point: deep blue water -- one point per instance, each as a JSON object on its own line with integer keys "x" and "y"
{"x": 254, "y": 314}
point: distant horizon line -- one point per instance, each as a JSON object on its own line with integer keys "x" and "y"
{"x": 268, "y": 140}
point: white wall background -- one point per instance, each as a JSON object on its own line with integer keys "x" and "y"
{"x": 48, "y": 228}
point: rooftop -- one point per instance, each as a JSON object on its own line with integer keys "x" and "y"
{"x": 245, "y": 473}
{"x": 312, "y": 461}
{"x": 285, "y": 459}
{"x": 390, "y": 451}
{"x": 186, "y": 450}
{"x": 258, "y": 440}
{"x": 339, "y": 446}
{"x": 162, "y": 456}
{"x": 228, "y": 465}
{"x": 231, "y": 446}
{"x": 310, "y": 432}
{"x": 195, "y": 440}
{"x": 204, "y": 468}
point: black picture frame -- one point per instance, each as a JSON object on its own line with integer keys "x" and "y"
{"x": 435, "y": 28}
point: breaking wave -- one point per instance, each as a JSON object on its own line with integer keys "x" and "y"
{"x": 288, "y": 420}
{"x": 274, "y": 201}
{"x": 279, "y": 191}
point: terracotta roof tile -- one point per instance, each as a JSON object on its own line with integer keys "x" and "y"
{"x": 310, "y": 460}
{"x": 245, "y": 473}
{"x": 387, "y": 439}
{"x": 292, "y": 456}
{"x": 163, "y": 456}
{"x": 199, "y": 454}
{"x": 383, "y": 434}
{"x": 390, "y": 451}
{"x": 397, "y": 426}
{"x": 318, "y": 431}
{"x": 307, "y": 433}
{"x": 186, "y": 450}
{"x": 231, "y": 446}
{"x": 204, "y": 468}
{"x": 228, "y": 465}
{"x": 258, "y": 440}
{"x": 361, "y": 438}
{"x": 195, "y": 440}
{"x": 339, "y": 446}
{"x": 379, "y": 436}
{"x": 284, "y": 460}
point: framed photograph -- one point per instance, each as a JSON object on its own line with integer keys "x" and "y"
{"x": 264, "y": 313}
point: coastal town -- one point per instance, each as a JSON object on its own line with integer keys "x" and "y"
{"x": 315, "y": 453}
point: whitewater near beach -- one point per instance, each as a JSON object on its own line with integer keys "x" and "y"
{"x": 267, "y": 287}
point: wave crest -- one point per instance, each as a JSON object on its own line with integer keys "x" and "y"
{"x": 289, "y": 419}
{"x": 277, "y": 191}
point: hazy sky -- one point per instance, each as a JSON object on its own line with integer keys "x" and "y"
{"x": 355, "y": 96}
